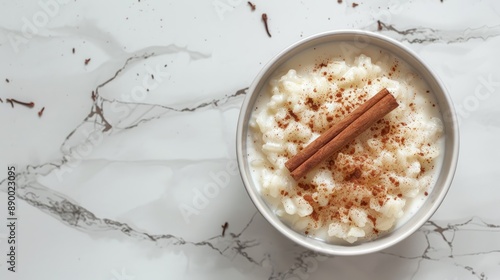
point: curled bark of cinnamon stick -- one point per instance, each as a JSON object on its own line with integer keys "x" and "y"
{"x": 342, "y": 133}
{"x": 333, "y": 131}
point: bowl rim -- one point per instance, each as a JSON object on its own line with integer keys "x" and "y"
{"x": 452, "y": 134}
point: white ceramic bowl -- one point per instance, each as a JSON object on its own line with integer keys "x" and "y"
{"x": 443, "y": 182}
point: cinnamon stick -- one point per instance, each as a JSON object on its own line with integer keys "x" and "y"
{"x": 342, "y": 133}
{"x": 333, "y": 131}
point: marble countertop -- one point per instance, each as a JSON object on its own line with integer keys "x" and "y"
{"x": 134, "y": 116}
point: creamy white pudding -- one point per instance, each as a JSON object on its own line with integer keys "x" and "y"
{"x": 373, "y": 184}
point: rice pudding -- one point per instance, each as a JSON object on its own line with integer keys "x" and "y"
{"x": 371, "y": 185}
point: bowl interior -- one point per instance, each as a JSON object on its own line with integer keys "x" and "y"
{"x": 450, "y": 157}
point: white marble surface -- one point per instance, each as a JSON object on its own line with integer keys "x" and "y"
{"x": 101, "y": 182}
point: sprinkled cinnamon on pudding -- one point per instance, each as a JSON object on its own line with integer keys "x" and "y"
{"x": 370, "y": 184}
